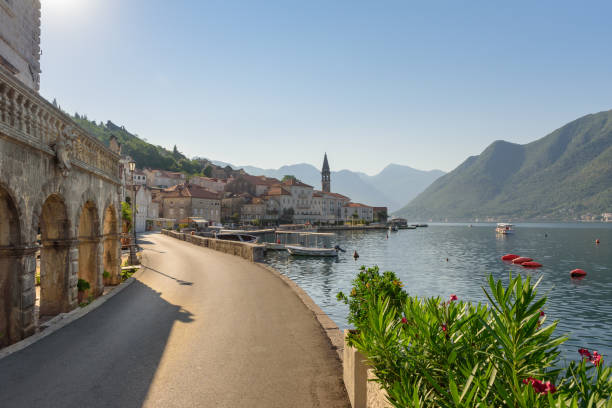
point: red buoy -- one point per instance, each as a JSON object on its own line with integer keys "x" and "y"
{"x": 509, "y": 257}
{"x": 597, "y": 241}
{"x": 521, "y": 259}
{"x": 576, "y": 273}
{"x": 531, "y": 264}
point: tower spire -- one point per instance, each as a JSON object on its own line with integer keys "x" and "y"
{"x": 325, "y": 176}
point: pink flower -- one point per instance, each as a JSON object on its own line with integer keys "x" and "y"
{"x": 453, "y": 297}
{"x": 404, "y": 320}
{"x": 595, "y": 358}
{"x": 444, "y": 327}
{"x": 584, "y": 353}
{"x": 542, "y": 313}
{"x": 540, "y": 387}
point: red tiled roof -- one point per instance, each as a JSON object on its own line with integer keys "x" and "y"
{"x": 277, "y": 190}
{"x": 190, "y": 190}
{"x": 357, "y": 205}
{"x": 295, "y": 182}
{"x": 336, "y": 195}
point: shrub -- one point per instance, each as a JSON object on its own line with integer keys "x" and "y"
{"x": 82, "y": 285}
{"x": 106, "y": 274}
{"x": 37, "y": 279}
{"x": 433, "y": 352}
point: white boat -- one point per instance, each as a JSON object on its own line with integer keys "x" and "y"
{"x": 311, "y": 251}
{"x": 274, "y": 246}
{"x": 504, "y": 228}
{"x": 305, "y": 247}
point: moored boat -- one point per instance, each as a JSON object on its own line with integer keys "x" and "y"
{"x": 311, "y": 251}
{"x": 504, "y": 228}
{"x": 239, "y": 237}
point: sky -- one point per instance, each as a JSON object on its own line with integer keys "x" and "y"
{"x": 270, "y": 83}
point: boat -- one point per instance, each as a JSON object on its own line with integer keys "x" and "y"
{"x": 274, "y": 246}
{"x": 307, "y": 250}
{"x": 238, "y": 237}
{"x": 311, "y": 251}
{"x": 410, "y": 227}
{"x": 504, "y": 228}
{"x": 393, "y": 228}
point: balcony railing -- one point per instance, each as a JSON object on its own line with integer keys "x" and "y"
{"x": 30, "y": 119}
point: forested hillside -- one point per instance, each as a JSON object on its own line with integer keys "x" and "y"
{"x": 145, "y": 154}
{"x": 559, "y": 177}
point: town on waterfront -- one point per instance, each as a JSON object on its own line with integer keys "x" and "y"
{"x": 147, "y": 270}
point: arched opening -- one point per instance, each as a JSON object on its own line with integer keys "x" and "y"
{"x": 10, "y": 325}
{"x": 54, "y": 264}
{"x": 89, "y": 240}
{"x": 111, "y": 255}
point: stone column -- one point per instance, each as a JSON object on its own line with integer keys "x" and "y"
{"x": 73, "y": 274}
{"x": 17, "y": 269}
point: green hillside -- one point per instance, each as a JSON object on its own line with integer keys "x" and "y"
{"x": 143, "y": 153}
{"x": 562, "y": 176}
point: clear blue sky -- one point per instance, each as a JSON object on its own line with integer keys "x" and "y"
{"x": 267, "y": 83}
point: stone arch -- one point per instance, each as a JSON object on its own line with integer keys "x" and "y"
{"x": 89, "y": 243}
{"x": 111, "y": 258}
{"x": 10, "y": 270}
{"x": 54, "y": 257}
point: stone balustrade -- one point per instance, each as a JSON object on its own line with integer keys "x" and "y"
{"x": 251, "y": 252}
{"x": 28, "y": 118}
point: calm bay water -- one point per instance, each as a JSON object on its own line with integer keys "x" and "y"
{"x": 418, "y": 257}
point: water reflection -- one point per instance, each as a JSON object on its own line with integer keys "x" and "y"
{"x": 419, "y": 258}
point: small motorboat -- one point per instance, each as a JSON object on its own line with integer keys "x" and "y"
{"x": 393, "y": 228}
{"x": 239, "y": 237}
{"x": 521, "y": 259}
{"x": 311, "y": 251}
{"x": 274, "y": 246}
{"x": 504, "y": 228}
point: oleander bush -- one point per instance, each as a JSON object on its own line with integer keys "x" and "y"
{"x": 433, "y": 352}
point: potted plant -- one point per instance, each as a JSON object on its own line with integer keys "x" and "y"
{"x": 106, "y": 275}
{"x": 83, "y": 287}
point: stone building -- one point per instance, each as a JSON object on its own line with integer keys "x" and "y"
{"x": 209, "y": 183}
{"x": 187, "y": 200}
{"x": 147, "y": 210}
{"x": 356, "y": 212}
{"x": 20, "y": 40}
{"x": 163, "y": 178}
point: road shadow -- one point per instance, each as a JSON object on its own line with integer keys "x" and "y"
{"x": 179, "y": 281}
{"x": 108, "y": 358}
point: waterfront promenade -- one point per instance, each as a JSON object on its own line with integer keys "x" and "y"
{"x": 198, "y": 328}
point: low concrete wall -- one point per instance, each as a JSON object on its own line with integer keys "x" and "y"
{"x": 251, "y": 252}
{"x": 358, "y": 378}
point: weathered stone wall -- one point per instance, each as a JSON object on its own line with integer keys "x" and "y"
{"x": 51, "y": 174}
{"x": 251, "y": 252}
{"x": 20, "y": 38}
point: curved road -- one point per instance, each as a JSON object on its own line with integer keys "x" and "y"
{"x": 198, "y": 328}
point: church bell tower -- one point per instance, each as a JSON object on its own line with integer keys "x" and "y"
{"x": 325, "y": 176}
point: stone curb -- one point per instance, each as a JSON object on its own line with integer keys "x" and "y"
{"x": 65, "y": 319}
{"x": 331, "y": 330}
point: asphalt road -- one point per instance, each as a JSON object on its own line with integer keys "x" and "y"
{"x": 197, "y": 329}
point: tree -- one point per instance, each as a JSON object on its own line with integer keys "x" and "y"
{"x": 208, "y": 171}
{"x": 287, "y": 216}
{"x": 175, "y": 153}
{"x": 288, "y": 177}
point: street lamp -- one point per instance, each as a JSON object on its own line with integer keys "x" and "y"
{"x": 133, "y": 257}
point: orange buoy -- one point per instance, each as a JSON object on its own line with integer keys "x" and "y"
{"x": 531, "y": 264}
{"x": 509, "y": 257}
{"x": 576, "y": 273}
{"x": 521, "y": 259}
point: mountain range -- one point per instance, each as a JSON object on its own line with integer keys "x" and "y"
{"x": 561, "y": 176}
{"x": 393, "y": 187}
